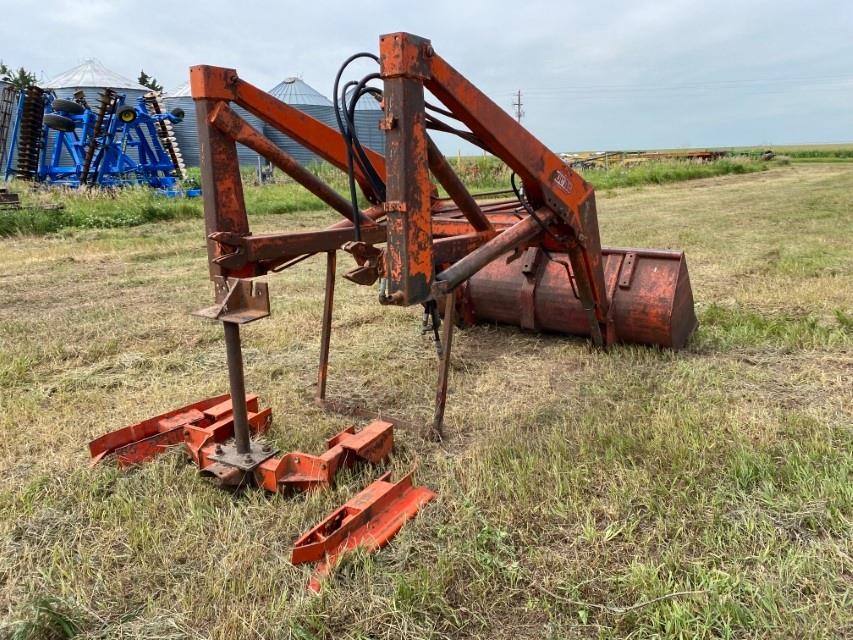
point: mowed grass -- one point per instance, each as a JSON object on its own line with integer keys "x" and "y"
{"x": 582, "y": 494}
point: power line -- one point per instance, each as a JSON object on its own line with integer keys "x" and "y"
{"x": 517, "y": 105}
{"x": 755, "y": 85}
{"x": 690, "y": 97}
{"x": 776, "y": 80}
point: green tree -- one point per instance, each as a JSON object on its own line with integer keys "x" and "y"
{"x": 149, "y": 81}
{"x": 20, "y": 79}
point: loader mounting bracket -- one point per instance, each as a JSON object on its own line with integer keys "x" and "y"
{"x": 238, "y": 301}
{"x": 206, "y": 429}
{"x": 369, "y": 520}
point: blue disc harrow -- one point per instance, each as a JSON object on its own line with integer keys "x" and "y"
{"x": 67, "y": 143}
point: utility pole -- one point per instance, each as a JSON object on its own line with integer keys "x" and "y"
{"x": 517, "y": 105}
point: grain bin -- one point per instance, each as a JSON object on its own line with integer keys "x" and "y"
{"x": 187, "y": 131}
{"x": 300, "y": 95}
{"x": 91, "y": 77}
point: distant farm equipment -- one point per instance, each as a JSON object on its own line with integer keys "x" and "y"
{"x": 608, "y": 159}
{"x": 62, "y": 142}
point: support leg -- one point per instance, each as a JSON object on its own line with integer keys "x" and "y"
{"x": 444, "y": 366}
{"x": 326, "y": 334}
{"x": 234, "y": 354}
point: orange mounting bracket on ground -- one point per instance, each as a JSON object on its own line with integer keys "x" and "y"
{"x": 205, "y": 427}
{"x": 369, "y": 520}
{"x": 144, "y": 440}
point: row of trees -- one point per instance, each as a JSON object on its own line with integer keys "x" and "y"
{"x": 21, "y": 78}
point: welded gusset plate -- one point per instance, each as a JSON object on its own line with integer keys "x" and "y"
{"x": 369, "y": 520}
{"x": 238, "y": 301}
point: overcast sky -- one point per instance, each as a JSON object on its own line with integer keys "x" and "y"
{"x": 593, "y": 75}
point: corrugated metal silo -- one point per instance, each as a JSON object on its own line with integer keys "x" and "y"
{"x": 186, "y": 132}
{"x": 300, "y": 95}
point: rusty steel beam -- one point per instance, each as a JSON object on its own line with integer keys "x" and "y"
{"x": 224, "y": 204}
{"x": 325, "y": 141}
{"x": 448, "y": 179}
{"x": 437, "y": 432}
{"x": 523, "y": 231}
{"x": 274, "y": 246}
{"x": 234, "y": 356}
{"x": 223, "y": 118}
{"x": 451, "y": 249}
{"x": 326, "y": 332}
{"x": 409, "y": 260}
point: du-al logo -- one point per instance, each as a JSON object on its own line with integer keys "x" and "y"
{"x": 561, "y": 180}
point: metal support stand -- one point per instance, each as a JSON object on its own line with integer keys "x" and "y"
{"x": 444, "y": 366}
{"x": 234, "y": 355}
{"x": 238, "y": 301}
{"x": 326, "y": 335}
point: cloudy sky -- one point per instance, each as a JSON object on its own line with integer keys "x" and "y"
{"x": 593, "y": 75}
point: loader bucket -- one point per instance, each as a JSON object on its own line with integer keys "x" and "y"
{"x": 652, "y": 302}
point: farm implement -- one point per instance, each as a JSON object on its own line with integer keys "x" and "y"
{"x": 67, "y": 143}
{"x": 530, "y": 256}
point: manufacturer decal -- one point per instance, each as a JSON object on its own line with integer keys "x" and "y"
{"x": 561, "y": 180}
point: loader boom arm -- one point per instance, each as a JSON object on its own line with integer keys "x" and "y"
{"x": 408, "y": 66}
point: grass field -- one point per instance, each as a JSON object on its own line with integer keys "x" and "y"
{"x": 132, "y": 207}
{"x": 631, "y": 493}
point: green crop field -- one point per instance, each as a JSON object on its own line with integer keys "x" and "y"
{"x": 634, "y": 492}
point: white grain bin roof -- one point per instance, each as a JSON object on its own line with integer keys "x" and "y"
{"x": 92, "y": 73}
